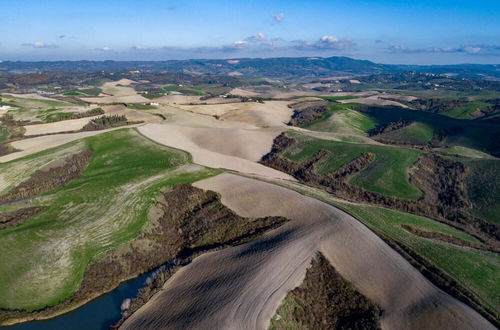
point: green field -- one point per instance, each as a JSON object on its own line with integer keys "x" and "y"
{"x": 341, "y": 118}
{"x": 387, "y": 174}
{"x": 483, "y": 188}
{"x": 140, "y": 106}
{"x": 415, "y": 133}
{"x": 74, "y": 93}
{"x": 58, "y": 116}
{"x": 184, "y": 90}
{"x": 84, "y": 92}
{"x": 466, "y": 111}
{"x": 106, "y": 207}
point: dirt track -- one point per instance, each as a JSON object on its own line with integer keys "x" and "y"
{"x": 241, "y": 287}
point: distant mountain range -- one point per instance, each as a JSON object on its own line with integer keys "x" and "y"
{"x": 283, "y": 67}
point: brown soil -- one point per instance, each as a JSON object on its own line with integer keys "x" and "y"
{"x": 305, "y": 113}
{"x": 327, "y": 301}
{"x": 46, "y": 179}
{"x": 18, "y": 217}
{"x": 187, "y": 221}
{"x": 440, "y": 179}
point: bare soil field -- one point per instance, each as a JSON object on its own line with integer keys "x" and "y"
{"x": 118, "y": 92}
{"x": 241, "y": 287}
{"x": 191, "y": 99}
{"x": 132, "y": 115}
{"x": 270, "y": 113}
{"x": 56, "y": 127}
{"x": 219, "y": 148}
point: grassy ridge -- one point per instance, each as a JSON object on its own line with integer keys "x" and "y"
{"x": 103, "y": 209}
{"x": 387, "y": 174}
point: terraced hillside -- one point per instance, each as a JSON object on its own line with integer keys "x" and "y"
{"x": 386, "y": 174}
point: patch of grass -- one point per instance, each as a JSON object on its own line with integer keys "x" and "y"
{"x": 73, "y": 93}
{"x": 284, "y": 318}
{"x": 387, "y": 174}
{"x": 341, "y": 118}
{"x": 483, "y": 188}
{"x": 45, "y": 258}
{"x": 4, "y": 133}
{"x": 466, "y": 111}
{"x": 184, "y": 90}
{"x": 58, "y": 116}
{"x": 415, "y": 133}
{"x": 463, "y": 151}
{"x": 141, "y": 106}
{"x": 93, "y": 91}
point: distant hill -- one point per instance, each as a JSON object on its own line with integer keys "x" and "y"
{"x": 283, "y": 67}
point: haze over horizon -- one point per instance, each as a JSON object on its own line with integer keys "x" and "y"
{"x": 387, "y": 31}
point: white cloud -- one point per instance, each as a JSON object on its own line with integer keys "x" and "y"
{"x": 325, "y": 42}
{"x": 472, "y": 50}
{"x": 39, "y": 44}
{"x": 461, "y": 49}
{"x": 239, "y": 43}
{"x": 256, "y": 38}
{"x": 279, "y": 17}
{"x": 139, "y": 47}
{"x": 104, "y": 49}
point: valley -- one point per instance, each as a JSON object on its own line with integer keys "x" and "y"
{"x": 235, "y": 192}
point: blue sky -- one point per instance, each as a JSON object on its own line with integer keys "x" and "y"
{"x": 388, "y": 31}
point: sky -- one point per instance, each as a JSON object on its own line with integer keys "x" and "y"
{"x": 384, "y": 31}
